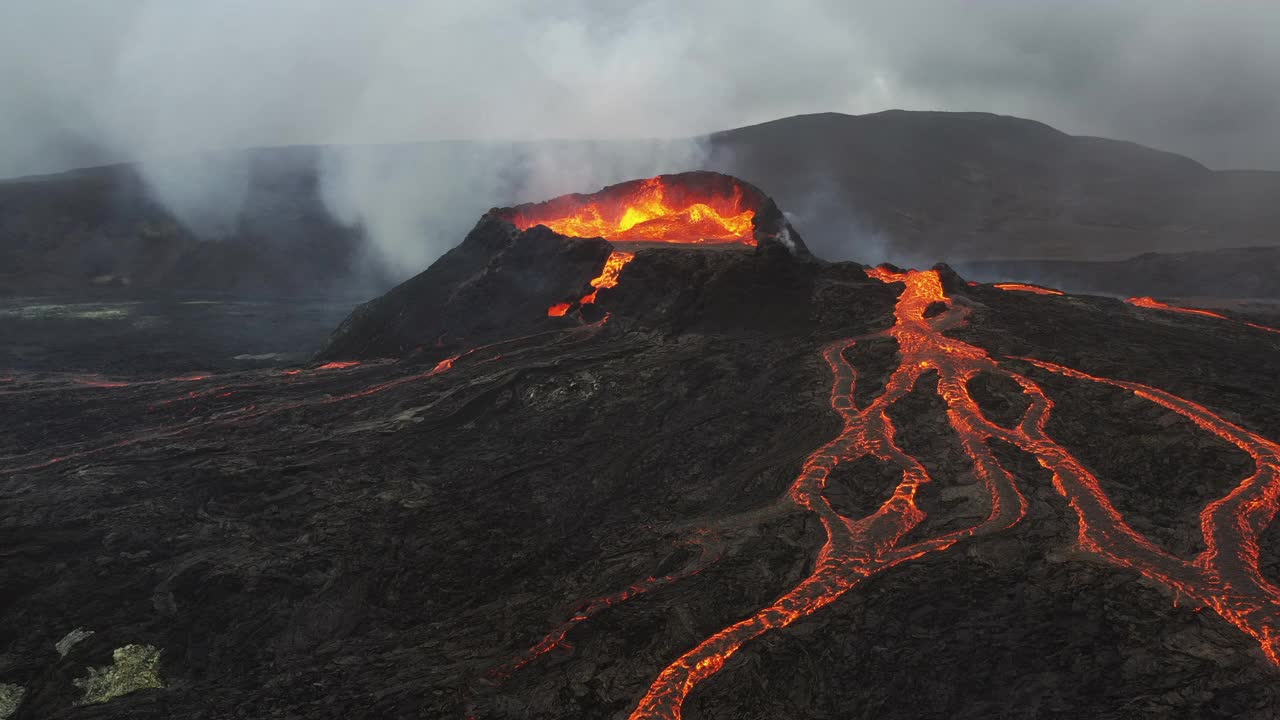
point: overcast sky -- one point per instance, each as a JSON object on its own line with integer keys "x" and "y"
{"x": 82, "y": 80}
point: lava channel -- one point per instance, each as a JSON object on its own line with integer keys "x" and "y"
{"x": 607, "y": 278}
{"x": 1152, "y": 304}
{"x": 1225, "y": 577}
{"x": 252, "y": 412}
{"x": 1028, "y": 288}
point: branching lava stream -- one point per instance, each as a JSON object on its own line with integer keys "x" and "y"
{"x": 1151, "y": 303}
{"x": 1225, "y": 577}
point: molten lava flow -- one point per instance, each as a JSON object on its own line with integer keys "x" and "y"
{"x": 1153, "y": 304}
{"x": 608, "y": 278}
{"x": 77, "y": 451}
{"x": 338, "y": 365}
{"x": 1224, "y": 577}
{"x": 609, "y": 275}
{"x": 1024, "y": 287}
{"x": 653, "y": 213}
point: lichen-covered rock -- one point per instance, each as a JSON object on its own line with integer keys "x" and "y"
{"x": 10, "y": 698}
{"x": 136, "y": 667}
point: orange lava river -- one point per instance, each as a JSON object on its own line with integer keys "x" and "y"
{"x": 608, "y": 278}
{"x": 1025, "y": 287}
{"x": 653, "y": 212}
{"x": 1225, "y": 577}
{"x": 1152, "y": 304}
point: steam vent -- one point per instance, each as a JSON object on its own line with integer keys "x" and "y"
{"x": 536, "y": 266}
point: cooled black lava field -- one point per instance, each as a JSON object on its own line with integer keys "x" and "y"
{"x": 740, "y": 482}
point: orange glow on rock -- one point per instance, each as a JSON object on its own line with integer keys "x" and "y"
{"x": 653, "y": 212}
{"x": 607, "y": 278}
{"x": 1153, "y": 304}
{"x": 1025, "y": 287}
{"x": 338, "y": 365}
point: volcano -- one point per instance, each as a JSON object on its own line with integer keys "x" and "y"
{"x": 639, "y": 454}
{"x": 552, "y": 259}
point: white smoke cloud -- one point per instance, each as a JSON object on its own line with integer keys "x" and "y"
{"x": 85, "y": 81}
{"x": 168, "y": 78}
{"x": 416, "y": 201}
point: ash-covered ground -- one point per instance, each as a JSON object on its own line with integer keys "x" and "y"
{"x": 400, "y": 538}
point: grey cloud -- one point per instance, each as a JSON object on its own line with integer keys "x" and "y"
{"x": 85, "y": 81}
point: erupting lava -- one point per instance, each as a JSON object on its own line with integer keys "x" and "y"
{"x": 650, "y": 212}
{"x": 1225, "y": 577}
{"x": 1154, "y": 304}
{"x": 608, "y": 278}
{"x": 1024, "y": 287}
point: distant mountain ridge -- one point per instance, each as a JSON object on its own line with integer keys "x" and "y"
{"x": 910, "y": 187}
{"x": 1232, "y": 272}
{"x": 975, "y": 186}
{"x": 99, "y": 230}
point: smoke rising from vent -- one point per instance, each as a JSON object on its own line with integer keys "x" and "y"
{"x": 156, "y": 80}
{"x": 415, "y": 202}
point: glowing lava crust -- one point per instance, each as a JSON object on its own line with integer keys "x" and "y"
{"x": 607, "y": 278}
{"x": 658, "y": 209}
{"x": 689, "y": 209}
{"x": 1224, "y": 577}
